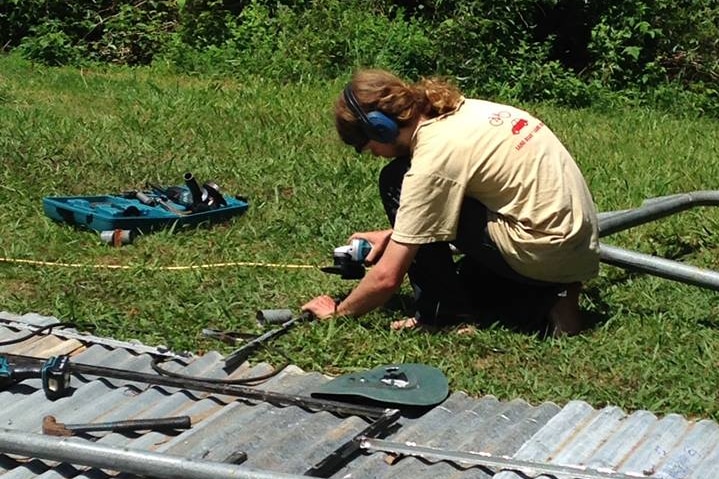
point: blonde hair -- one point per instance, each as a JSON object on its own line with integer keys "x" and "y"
{"x": 380, "y": 90}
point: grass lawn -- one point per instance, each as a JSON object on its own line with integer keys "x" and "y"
{"x": 94, "y": 131}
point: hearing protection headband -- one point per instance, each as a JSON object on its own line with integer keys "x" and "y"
{"x": 376, "y": 125}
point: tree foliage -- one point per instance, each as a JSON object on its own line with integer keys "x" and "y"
{"x": 532, "y": 50}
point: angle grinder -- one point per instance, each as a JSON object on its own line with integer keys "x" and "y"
{"x": 348, "y": 260}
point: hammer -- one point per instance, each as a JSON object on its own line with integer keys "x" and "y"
{"x": 51, "y": 427}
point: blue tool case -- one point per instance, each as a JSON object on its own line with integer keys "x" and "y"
{"x": 126, "y": 212}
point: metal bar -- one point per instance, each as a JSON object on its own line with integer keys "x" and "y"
{"x": 51, "y": 426}
{"x": 661, "y": 267}
{"x": 143, "y": 463}
{"x": 500, "y": 463}
{"x": 63, "y": 332}
{"x": 349, "y": 450}
{"x": 654, "y": 208}
{"x": 227, "y": 389}
{"x": 239, "y": 356}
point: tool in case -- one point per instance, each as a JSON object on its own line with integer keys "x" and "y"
{"x": 146, "y": 211}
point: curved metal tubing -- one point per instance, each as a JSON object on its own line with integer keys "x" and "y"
{"x": 652, "y": 209}
{"x": 665, "y": 268}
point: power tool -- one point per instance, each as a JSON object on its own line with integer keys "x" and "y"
{"x": 54, "y": 373}
{"x": 349, "y": 259}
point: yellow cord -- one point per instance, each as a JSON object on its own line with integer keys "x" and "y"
{"x": 168, "y": 268}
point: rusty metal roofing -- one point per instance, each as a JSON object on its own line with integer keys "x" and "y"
{"x": 464, "y": 437}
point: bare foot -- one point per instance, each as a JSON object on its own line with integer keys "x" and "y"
{"x": 466, "y": 329}
{"x": 565, "y": 318}
{"x": 408, "y": 323}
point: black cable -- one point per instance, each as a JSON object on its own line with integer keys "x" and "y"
{"x": 252, "y": 381}
{"x": 37, "y": 332}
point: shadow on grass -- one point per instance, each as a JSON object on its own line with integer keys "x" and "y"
{"x": 521, "y": 315}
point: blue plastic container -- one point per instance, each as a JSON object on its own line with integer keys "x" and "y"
{"x": 110, "y": 212}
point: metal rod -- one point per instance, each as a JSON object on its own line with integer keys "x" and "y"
{"x": 654, "y": 208}
{"x": 235, "y": 390}
{"x": 501, "y": 463}
{"x": 143, "y": 463}
{"x": 664, "y": 268}
{"x": 61, "y": 329}
{"x": 344, "y": 454}
{"x": 239, "y": 356}
{"x": 51, "y": 426}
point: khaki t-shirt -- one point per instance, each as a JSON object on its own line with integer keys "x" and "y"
{"x": 540, "y": 212}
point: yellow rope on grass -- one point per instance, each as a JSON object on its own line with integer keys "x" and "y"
{"x": 166, "y": 268}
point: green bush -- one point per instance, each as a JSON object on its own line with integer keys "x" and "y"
{"x": 16, "y": 19}
{"x": 498, "y": 49}
{"x": 51, "y": 45}
{"x": 134, "y": 35}
{"x": 292, "y": 44}
{"x": 558, "y": 50}
{"x": 206, "y": 23}
{"x": 643, "y": 43}
{"x": 59, "y": 32}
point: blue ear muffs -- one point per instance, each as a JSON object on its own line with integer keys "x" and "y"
{"x": 376, "y": 125}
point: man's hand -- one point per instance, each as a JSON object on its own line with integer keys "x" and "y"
{"x": 323, "y": 307}
{"x": 378, "y": 240}
{"x": 374, "y": 289}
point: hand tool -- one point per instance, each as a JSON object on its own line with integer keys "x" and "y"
{"x": 228, "y": 337}
{"x": 215, "y": 386}
{"x": 349, "y": 259}
{"x": 148, "y": 200}
{"x": 200, "y": 198}
{"x": 381, "y": 418}
{"x": 216, "y": 198}
{"x": 283, "y": 317}
{"x": 54, "y": 373}
{"x": 52, "y": 427}
{"x": 206, "y": 197}
{"x": 191, "y": 198}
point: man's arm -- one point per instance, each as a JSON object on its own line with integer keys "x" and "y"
{"x": 375, "y": 289}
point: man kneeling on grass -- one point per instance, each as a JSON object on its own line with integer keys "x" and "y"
{"x": 486, "y": 179}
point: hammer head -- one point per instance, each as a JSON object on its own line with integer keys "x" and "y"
{"x": 55, "y": 375}
{"x": 51, "y": 427}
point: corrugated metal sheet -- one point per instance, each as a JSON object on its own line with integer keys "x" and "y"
{"x": 445, "y": 441}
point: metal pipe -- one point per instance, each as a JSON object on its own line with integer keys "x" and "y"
{"x": 347, "y": 451}
{"x": 143, "y": 463}
{"x": 664, "y": 268}
{"x": 500, "y": 463}
{"x": 653, "y": 209}
{"x": 274, "y": 316}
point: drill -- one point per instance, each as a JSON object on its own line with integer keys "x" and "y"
{"x": 54, "y": 373}
{"x": 348, "y": 260}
